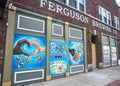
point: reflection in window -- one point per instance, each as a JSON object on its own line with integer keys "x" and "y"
{"x": 81, "y": 5}
{"x": 105, "y": 15}
{"x": 72, "y": 3}
{"x": 116, "y": 22}
{"x": 64, "y": 1}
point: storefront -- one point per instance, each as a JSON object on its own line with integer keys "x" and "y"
{"x": 56, "y": 42}
{"x": 44, "y": 48}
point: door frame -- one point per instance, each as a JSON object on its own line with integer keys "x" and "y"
{"x": 94, "y": 40}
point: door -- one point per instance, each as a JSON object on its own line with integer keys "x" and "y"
{"x": 94, "y": 55}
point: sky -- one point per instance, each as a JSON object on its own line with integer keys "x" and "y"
{"x": 118, "y": 2}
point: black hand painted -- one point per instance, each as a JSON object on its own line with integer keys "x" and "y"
{"x": 18, "y": 49}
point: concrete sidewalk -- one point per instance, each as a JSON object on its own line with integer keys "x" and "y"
{"x": 99, "y": 77}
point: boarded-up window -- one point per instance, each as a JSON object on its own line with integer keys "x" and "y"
{"x": 30, "y": 24}
{"x": 57, "y": 29}
{"x": 75, "y": 33}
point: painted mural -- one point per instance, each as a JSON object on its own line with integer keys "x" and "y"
{"x": 76, "y": 53}
{"x": 106, "y": 53}
{"x": 114, "y": 53}
{"x": 58, "y": 60}
{"x": 28, "y": 52}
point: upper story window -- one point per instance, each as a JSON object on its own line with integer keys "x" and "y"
{"x": 104, "y": 15}
{"x": 81, "y": 5}
{"x": 72, "y": 3}
{"x": 116, "y": 21}
{"x": 64, "y": 1}
{"x": 78, "y": 4}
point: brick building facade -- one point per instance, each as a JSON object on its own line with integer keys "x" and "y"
{"x": 54, "y": 38}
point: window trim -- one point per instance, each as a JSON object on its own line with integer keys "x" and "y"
{"x": 117, "y": 22}
{"x": 27, "y": 29}
{"x": 53, "y": 29}
{"x": 101, "y": 9}
{"x": 77, "y": 5}
{"x": 76, "y": 30}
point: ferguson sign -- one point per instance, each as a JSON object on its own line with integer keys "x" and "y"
{"x": 51, "y": 6}
{"x": 64, "y": 11}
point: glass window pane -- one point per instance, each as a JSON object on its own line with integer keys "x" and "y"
{"x": 72, "y": 3}
{"x": 81, "y": 1}
{"x": 105, "y": 40}
{"x": 81, "y": 7}
{"x": 63, "y": 1}
{"x": 113, "y": 42}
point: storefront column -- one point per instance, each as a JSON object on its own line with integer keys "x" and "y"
{"x": 85, "y": 48}
{"x": 6, "y": 79}
{"x": 49, "y": 23}
{"x": 66, "y": 39}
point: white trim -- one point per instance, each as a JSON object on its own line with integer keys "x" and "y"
{"x": 70, "y": 28}
{"x": 15, "y": 75}
{"x": 18, "y": 24}
{"x": 54, "y": 28}
{"x": 105, "y": 15}
{"x": 76, "y": 71}
{"x": 89, "y": 15}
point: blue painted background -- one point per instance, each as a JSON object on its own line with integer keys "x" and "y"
{"x": 58, "y": 59}
{"x": 20, "y": 62}
{"x": 78, "y": 47}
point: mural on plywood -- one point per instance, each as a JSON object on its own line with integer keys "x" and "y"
{"x": 28, "y": 52}
{"x": 58, "y": 60}
{"x": 76, "y": 53}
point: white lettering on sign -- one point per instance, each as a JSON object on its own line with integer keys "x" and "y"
{"x": 101, "y": 26}
{"x": 74, "y": 15}
{"x": 64, "y": 11}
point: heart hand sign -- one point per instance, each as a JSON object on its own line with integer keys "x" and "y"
{"x": 28, "y": 48}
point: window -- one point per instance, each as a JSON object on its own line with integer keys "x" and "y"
{"x": 116, "y": 21}
{"x": 57, "y": 29}
{"x": 64, "y": 1}
{"x": 78, "y": 4}
{"x": 75, "y": 33}
{"x": 72, "y": 3}
{"x": 113, "y": 42}
{"x": 30, "y": 24}
{"x": 104, "y": 15}
{"x": 100, "y": 13}
{"x": 105, "y": 40}
{"x": 109, "y": 18}
{"x": 81, "y": 5}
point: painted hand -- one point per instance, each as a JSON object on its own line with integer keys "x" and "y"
{"x": 18, "y": 47}
{"x": 39, "y": 49}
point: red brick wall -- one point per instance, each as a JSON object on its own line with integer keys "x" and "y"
{"x": 109, "y": 5}
{"x": 2, "y": 37}
{"x": 92, "y": 8}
